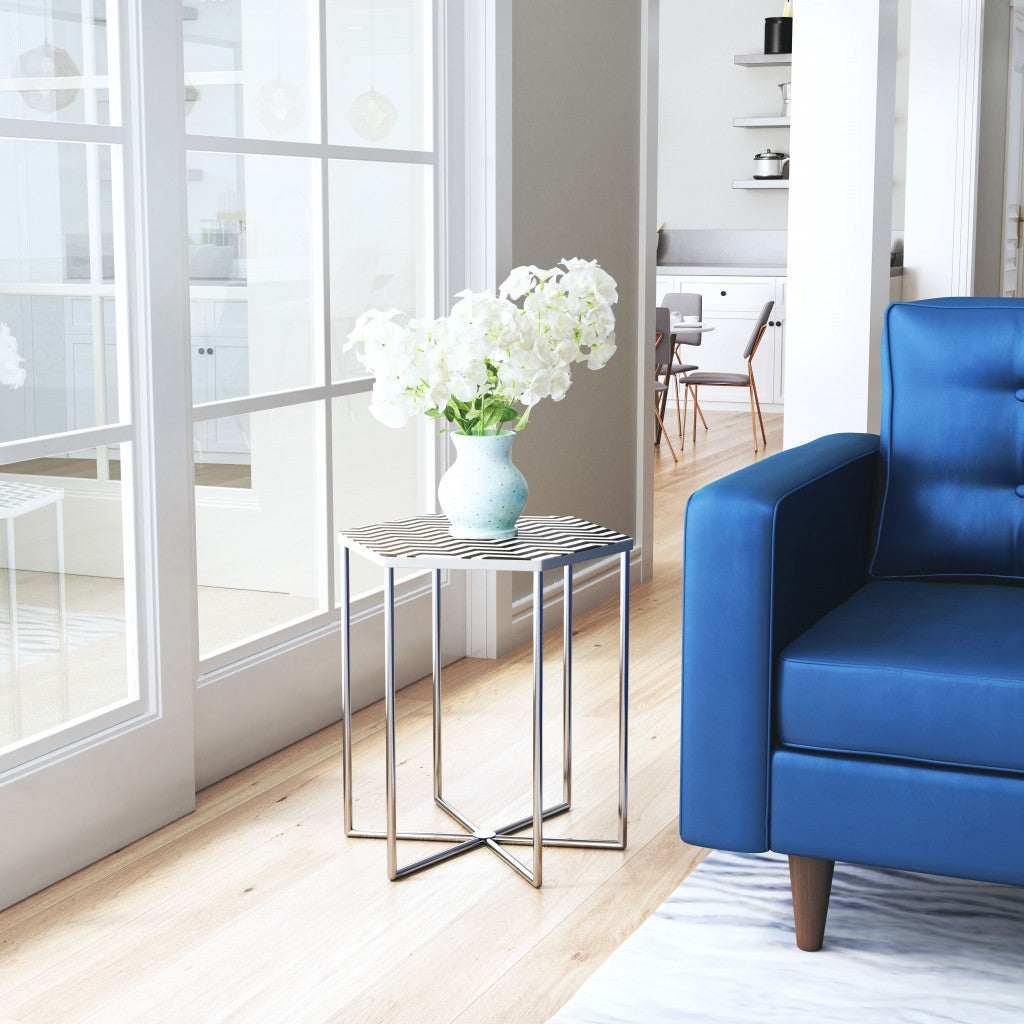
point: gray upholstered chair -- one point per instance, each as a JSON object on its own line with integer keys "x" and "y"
{"x": 680, "y": 304}
{"x": 666, "y": 366}
{"x": 693, "y": 381}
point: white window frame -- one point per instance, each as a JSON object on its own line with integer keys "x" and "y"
{"x": 448, "y": 176}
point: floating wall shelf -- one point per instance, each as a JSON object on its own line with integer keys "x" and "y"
{"x": 763, "y": 60}
{"x": 762, "y": 183}
{"x": 760, "y": 122}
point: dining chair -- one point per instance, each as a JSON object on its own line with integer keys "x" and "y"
{"x": 665, "y": 363}
{"x": 660, "y": 390}
{"x": 746, "y": 380}
{"x": 680, "y": 304}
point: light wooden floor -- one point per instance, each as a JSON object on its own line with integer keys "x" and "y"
{"x": 256, "y": 908}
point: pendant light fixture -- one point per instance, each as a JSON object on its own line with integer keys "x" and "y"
{"x": 47, "y": 62}
{"x": 280, "y": 104}
{"x": 372, "y": 115}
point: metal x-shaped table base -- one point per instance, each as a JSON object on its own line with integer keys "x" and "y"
{"x": 493, "y": 839}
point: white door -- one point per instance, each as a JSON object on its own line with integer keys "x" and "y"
{"x": 1013, "y": 220}
{"x": 96, "y": 718}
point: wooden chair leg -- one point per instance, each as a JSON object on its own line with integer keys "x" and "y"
{"x": 753, "y": 422}
{"x": 700, "y": 411}
{"x": 811, "y": 881}
{"x": 686, "y": 410}
{"x": 679, "y": 415}
{"x": 695, "y": 408}
{"x": 757, "y": 402}
{"x": 664, "y": 432}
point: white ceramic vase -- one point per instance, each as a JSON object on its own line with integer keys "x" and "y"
{"x": 483, "y": 494}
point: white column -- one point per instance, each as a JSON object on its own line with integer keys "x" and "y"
{"x": 840, "y": 215}
{"x": 942, "y": 147}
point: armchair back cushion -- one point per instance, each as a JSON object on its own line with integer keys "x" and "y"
{"x": 952, "y": 440}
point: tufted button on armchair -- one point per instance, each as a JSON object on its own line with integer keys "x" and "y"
{"x": 853, "y": 627}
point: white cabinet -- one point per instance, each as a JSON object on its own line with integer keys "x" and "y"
{"x": 220, "y": 370}
{"x": 732, "y": 306}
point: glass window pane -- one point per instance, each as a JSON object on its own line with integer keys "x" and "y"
{"x": 53, "y": 64}
{"x": 248, "y": 69}
{"x": 380, "y": 73}
{"x": 382, "y": 255}
{"x": 380, "y": 473}
{"x": 253, "y": 266}
{"x": 259, "y": 528}
{"x": 63, "y": 648}
{"x": 58, "y": 329}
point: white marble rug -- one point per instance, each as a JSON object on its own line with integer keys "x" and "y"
{"x": 900, "y": 948}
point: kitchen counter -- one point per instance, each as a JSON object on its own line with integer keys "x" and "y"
{"x": 734, "y": 270}
{"x": 722, "y": 270}
{"x": 732, "y": 253}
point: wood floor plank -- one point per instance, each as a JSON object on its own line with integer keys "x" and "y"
{"x": 566, "y": 956}
{"x": 256, "y": 908}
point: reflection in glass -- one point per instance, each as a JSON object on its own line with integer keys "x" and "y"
{"x": 380, "y": 473}
{"x": 247, "y": 69}
{"x": 252, "y": 267}
{"x": 379, "y": 77}
{"x": 63, "y": 650}
{"x": 258, "y": 527}
{"x": 382, "y": 237}
{"x": 57, "y": 288}
{"x": 53, "y": 64}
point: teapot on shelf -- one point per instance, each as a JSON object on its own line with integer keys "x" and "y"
{"x": 770, "y": 165}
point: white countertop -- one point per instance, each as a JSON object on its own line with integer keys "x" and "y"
{"x": 736, "y": 270}
{"x": 722, "y": 270}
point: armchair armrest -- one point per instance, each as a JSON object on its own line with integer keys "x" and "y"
{"x": 767, "y": 552}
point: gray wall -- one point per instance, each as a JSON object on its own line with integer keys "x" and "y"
{"x": 992, "y": 148}
{"x": 702, "y": 90}
{"x": 576, "y": 69}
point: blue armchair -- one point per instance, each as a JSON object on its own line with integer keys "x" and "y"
{"x": 853, "y": 627}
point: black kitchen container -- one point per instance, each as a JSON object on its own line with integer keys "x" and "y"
{"x": 778, "y": 35}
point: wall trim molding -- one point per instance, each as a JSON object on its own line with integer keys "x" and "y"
{"x": 946, "y": 39}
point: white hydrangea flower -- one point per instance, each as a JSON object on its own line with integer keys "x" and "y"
{"x": 12, "y": 370}
{"x": 489, "y": 353}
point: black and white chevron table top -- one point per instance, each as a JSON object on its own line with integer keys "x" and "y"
{"x": 544, "y": 542}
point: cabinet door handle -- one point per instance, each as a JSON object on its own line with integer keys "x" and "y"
{"x": 723, "y": 293}
{"x": 202, "y": 351}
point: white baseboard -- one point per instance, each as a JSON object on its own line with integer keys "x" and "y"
{"x": 720, "y": 406}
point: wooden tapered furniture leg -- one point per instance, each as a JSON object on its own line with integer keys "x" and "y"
{"x": 679, "y": 415}
{"x": 701, "y": 412}
{"x": 811, "y": 882}
{"x": 664, "y": 432}
{"x": 757, "y": 402}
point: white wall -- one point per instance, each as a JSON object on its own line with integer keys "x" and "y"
{"x": 701, "y": 91}
{"x": 942, "y": 146}
{"x": 899, "y": 161}
{"x": 840, "y": 217}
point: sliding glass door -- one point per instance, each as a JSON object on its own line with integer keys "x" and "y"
{"x": 95, "y": 718}
{"x": 197, "y": 202}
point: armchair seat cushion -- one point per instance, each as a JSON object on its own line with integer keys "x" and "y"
{"x": 926, "y": 671}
